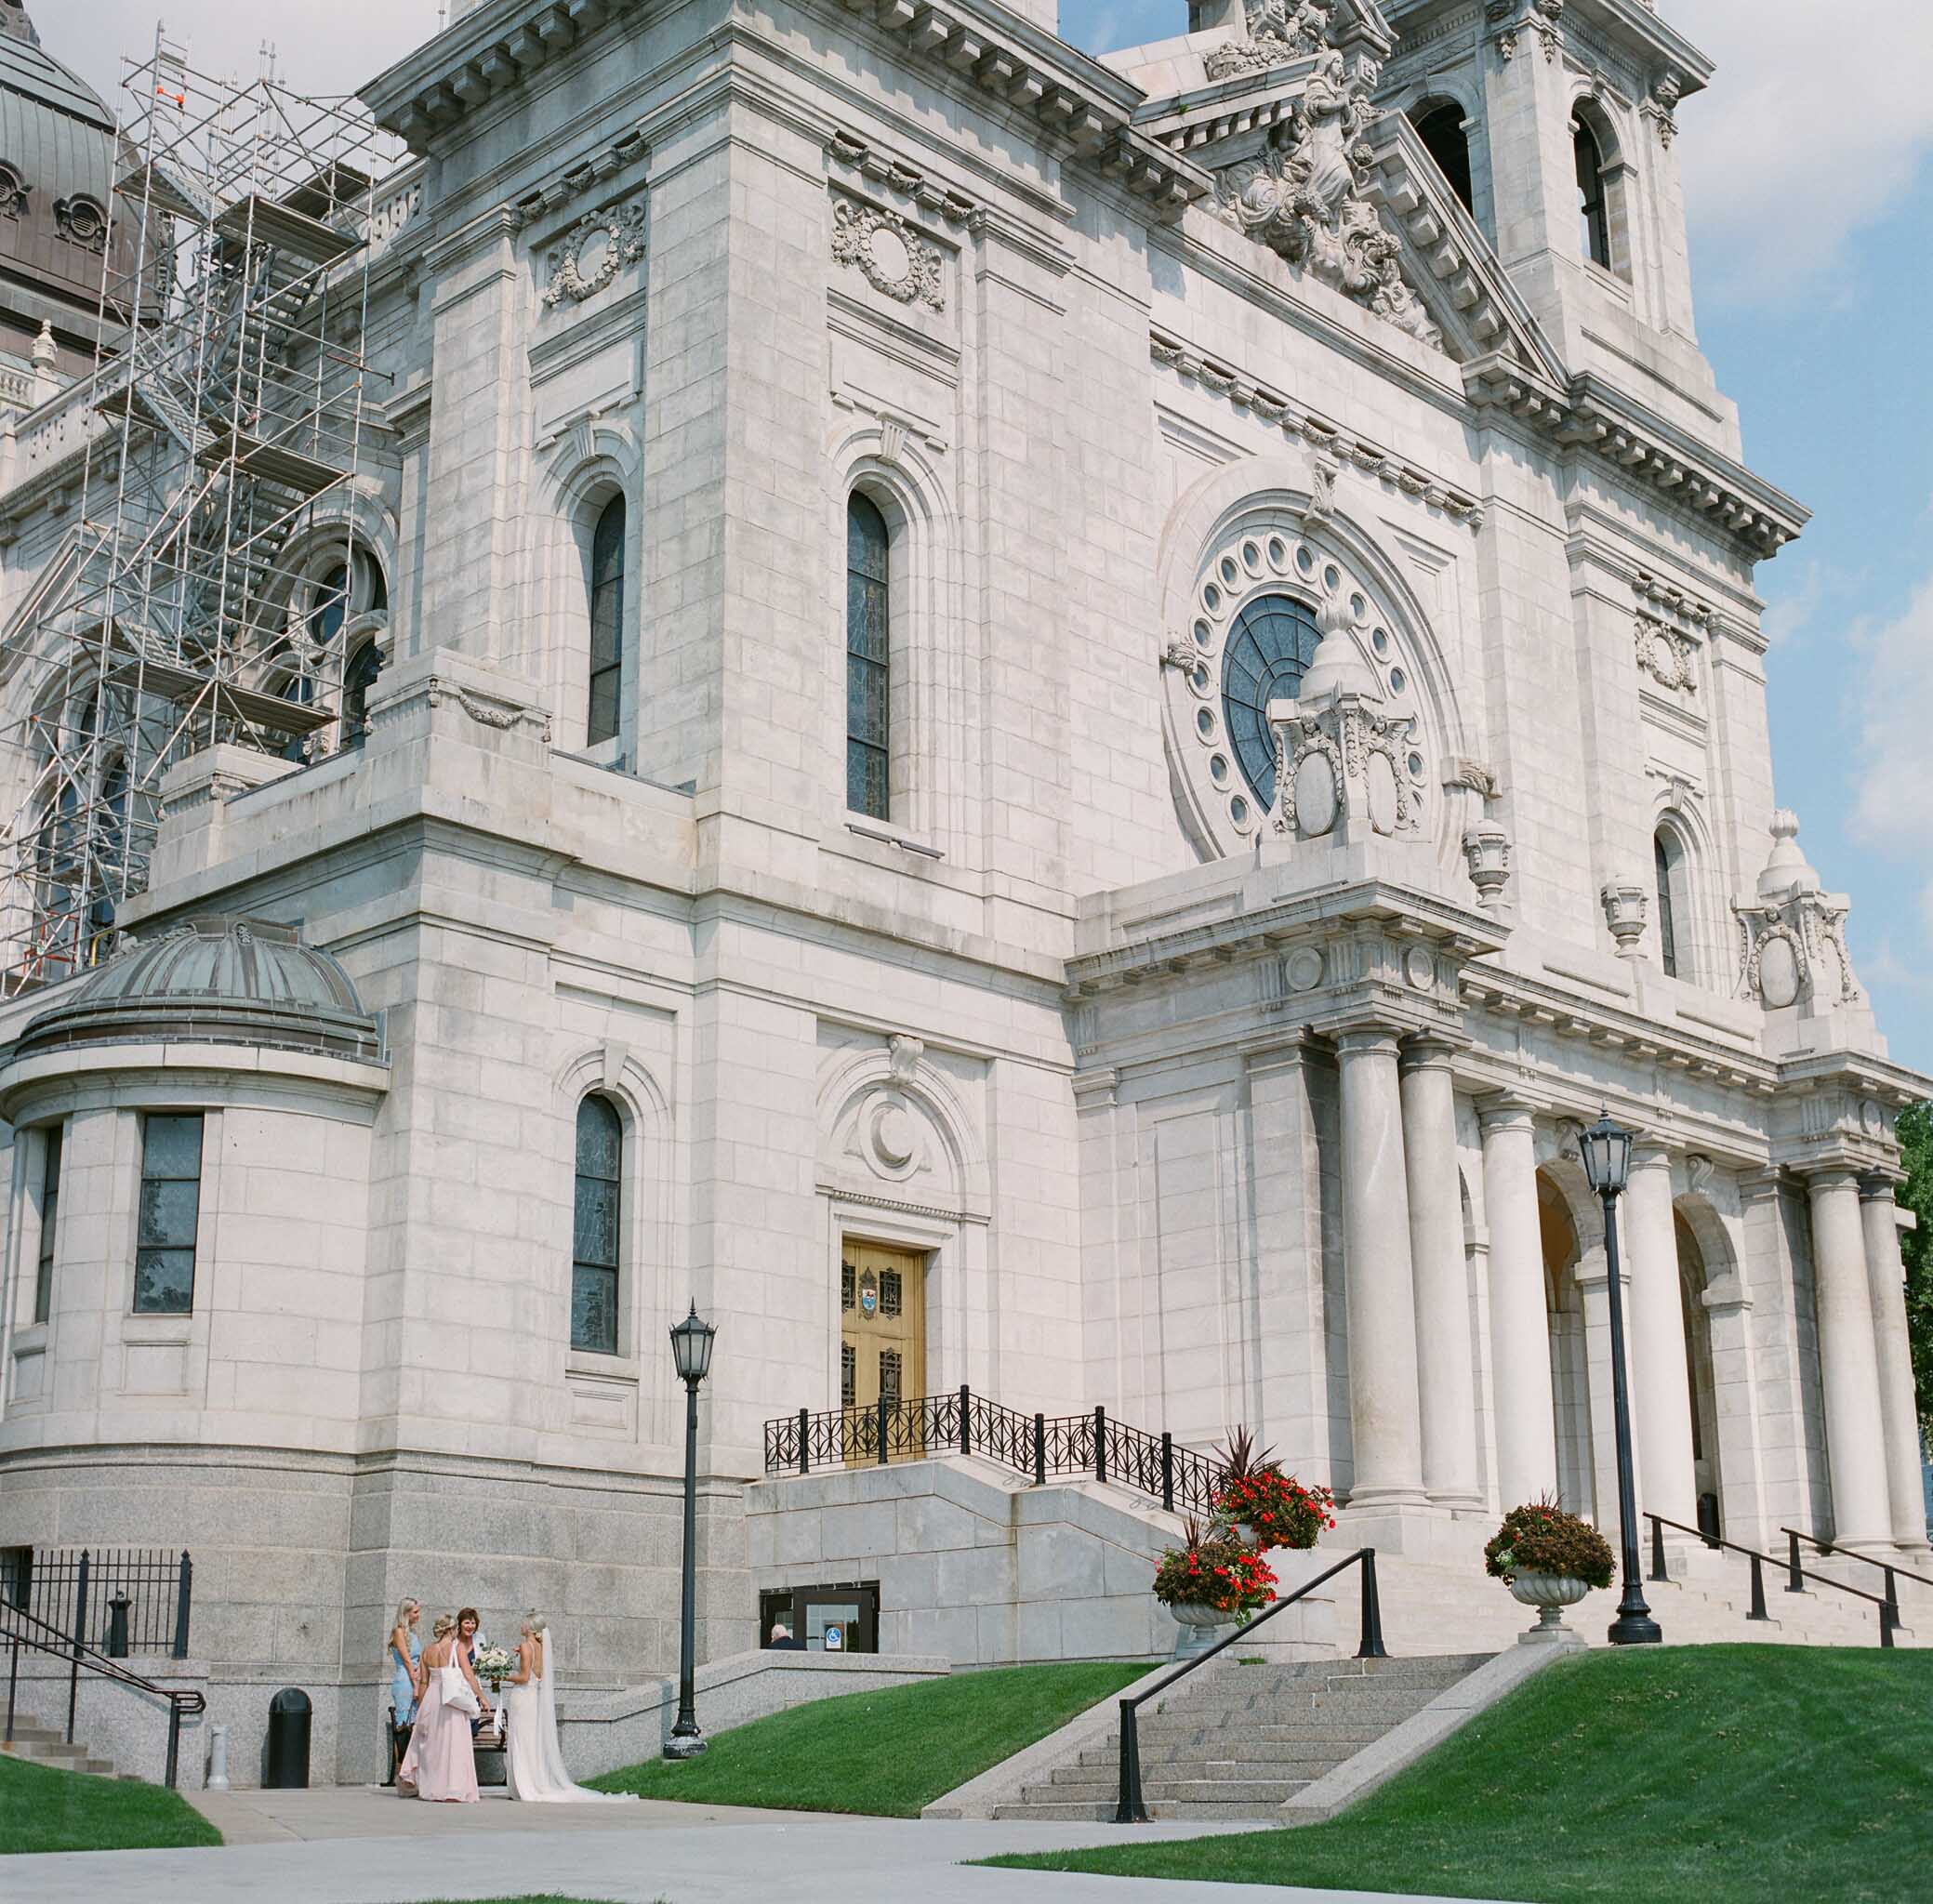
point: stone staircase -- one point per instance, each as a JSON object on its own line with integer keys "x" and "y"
{"x": 1239, "y": 1737}
{"x": 47, "y": 1745}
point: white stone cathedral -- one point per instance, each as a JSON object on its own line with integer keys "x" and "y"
{"x": 1027, "y": 721}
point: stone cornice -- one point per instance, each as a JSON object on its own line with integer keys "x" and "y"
{"x": 1273, "y": 407}
{"x": 1588, "y": 415}
{"x": 498, "y": 48}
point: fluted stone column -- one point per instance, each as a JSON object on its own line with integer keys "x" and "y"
{"x": 1886, "y": 1282}
{"x": 1446, "y": 1379}
{"x": 1385, "y": 1423}
{"x": 1849, "y": 1363}
{"x": 1661, "y": 1369}
{"x": 1521, "y": 1348}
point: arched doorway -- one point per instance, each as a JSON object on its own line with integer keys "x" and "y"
{"x": 1693, "y": 1280}
{"x": 1570, "y": 1374}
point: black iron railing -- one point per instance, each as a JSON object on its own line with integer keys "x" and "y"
{"x": 1795, "y": 1574}
{"x": 1043, "y": 1446}
{"x": 1130, "y": 1809}
{"x": 1891, "y": 1570}
{"x": 124, "y": 1599}
{"x": 19, "y": 1628}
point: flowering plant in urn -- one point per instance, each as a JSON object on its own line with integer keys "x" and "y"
{"x": 1541, "y": 1538}
{"x": 1215, "y": 1572}
{"x": 1265, "y": 1507}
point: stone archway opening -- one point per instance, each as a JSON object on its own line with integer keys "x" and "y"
{"x": 1694, "y": 1278}
{"x": 1570, "y": 1374}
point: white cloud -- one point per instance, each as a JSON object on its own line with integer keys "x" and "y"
{"x": 1891, "y": 692}
{"x": 1816, "y": 121}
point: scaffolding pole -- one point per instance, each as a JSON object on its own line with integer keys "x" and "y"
{"x": 223, "y": 425}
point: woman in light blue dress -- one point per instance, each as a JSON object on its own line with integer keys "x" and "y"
{"x": 405, "y": 1662}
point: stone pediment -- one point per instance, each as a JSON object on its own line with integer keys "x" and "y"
{"x": 1303, "y": 163}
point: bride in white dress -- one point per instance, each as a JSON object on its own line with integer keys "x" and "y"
{"x": 532, "y": 1755}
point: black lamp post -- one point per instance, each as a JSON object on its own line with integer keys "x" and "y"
{"x": 691, "y": 1349}
{"x": 1607, "y": 1153}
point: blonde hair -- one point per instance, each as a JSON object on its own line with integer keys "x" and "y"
{"x": 405, "y": 1608}
{"x": 442, "y": 1626}
{"x": 533, "y": 1623}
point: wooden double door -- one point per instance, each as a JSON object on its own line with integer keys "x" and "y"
{"x": 882, "y": 1326}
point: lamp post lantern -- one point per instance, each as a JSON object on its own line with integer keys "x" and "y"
{"x": 690, "y": 1352}
{"x": 1605, "y": 1148}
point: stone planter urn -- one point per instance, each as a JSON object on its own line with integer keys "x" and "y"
{"x": 1551, "y": 1593}
{"x": 1201, "y": 1626}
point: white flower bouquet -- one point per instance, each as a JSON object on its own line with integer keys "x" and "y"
{"x": 494, "y": 1663}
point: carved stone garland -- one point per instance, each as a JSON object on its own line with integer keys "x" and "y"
{"x": 593, "y": 251}
{"x": 1304, "y": 198}
{"x": 1792, "y": 940}
{"x": 896, "y": 259}
{"x": 1279, "y": 31}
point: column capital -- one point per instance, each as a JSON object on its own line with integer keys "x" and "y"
{"x": 1649, "y": 1152}
{"x": 1430, "y": 1050}
{"x": 1506, "y": 1110}
{"x": 1878, "y": 1186}
{"x": 1832, "y": 1176}
{"x": 1365, "y": 1039}
{"x": 1289, "y": 1053}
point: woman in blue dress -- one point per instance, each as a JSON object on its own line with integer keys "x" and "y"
{"x": 405, "y": 1662}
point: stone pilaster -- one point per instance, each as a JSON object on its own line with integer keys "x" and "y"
{"x": 1849, "y": 1365}
{"x": 1382, "y": 1387}
{"x": 1527, "y": 1436}
{"x": 1445, "y": 1387}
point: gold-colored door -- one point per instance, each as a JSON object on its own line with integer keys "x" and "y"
{"x": 883, "y": 1346}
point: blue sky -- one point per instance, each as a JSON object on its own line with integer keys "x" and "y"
{"x": 1810, "y": 193}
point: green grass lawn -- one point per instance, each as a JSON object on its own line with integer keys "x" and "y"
{"x": 1727, "y": 1775}
{"x": 44, "y": 1809}
{"x": 884, "y": 1754}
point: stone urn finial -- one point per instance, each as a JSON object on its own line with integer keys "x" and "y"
{"x": 1626, "y": 904}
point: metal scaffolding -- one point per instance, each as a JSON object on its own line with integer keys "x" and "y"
{"x": 229, "y": 416}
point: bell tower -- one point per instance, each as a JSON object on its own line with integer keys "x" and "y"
{"x": 1570, "y": 122}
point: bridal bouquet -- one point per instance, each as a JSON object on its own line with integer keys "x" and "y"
{"x": 494, "y": 1663}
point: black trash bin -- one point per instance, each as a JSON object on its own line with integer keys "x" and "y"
{"x": 289, "y": 1717}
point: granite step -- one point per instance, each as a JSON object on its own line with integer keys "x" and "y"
{"x": 1327, "y": 1749}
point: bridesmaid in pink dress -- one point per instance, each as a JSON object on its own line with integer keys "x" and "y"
{"x": 439, "y": 1762}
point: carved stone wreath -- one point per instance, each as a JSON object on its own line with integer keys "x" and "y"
{"x": 1668, "y": 658}
{"x": 896, "y": 259}
{"x": 13, "y": 193}
{"x": 1794, "y": 950}
{"x": 593, "y": 251}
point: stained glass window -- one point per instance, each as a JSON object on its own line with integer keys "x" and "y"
{"x": 357, "y": 678}
{"x": 868, "y": 757}
{"x": 1663, "y": 859}
{"x": 50, "y": 1209}
{"x": 595, "y": 1229}
{"x": 889, "y": 1292}
{"x": 846, "y": 1284}
{"x": 606, "y": 624}
{"x": 170, "y": 1213}
{"x": 1269, "y": 649}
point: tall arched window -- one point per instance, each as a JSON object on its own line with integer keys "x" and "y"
{"x": 606, "y": 624}
{"x": 595, "y": 1227}
{"x": 1592, "y": 203}
{"x": 869, "y": 637}
{"x": 1668, "y": 858}
{"x": 1440, "y": 126}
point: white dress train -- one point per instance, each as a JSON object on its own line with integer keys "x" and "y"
{"x": 533, "y": 1758}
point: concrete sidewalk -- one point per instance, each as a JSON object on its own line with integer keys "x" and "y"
{"x": 658, "y": 1854}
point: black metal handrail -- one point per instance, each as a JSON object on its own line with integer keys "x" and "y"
{"x": 1130, "y": 1809}
{"x": 1888, "y": 1609}
{"x": 1892, "y": 1570}
{"x": 133, "y": 1599}
{"x": 182, "y": 1701}
{"x": 1039, "y": 1446}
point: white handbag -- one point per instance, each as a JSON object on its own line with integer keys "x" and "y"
{"x": 455, "y": 1686}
